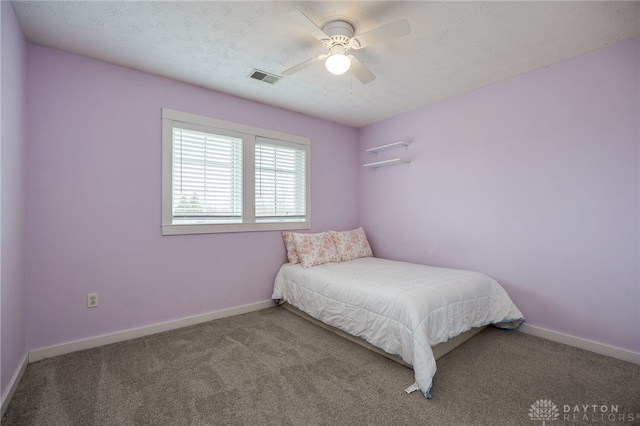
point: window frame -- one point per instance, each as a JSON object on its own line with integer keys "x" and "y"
{"x": 249, "y": 135}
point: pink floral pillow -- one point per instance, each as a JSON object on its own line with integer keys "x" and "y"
{"x": 290, "y": 244}
{"x": 316, "y": 249}
{"x": 352, "y": 244}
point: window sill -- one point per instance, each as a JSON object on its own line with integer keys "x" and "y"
{"x": 209, "y": 228}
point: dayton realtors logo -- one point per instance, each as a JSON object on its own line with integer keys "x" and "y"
{"x": 546, "y": 410}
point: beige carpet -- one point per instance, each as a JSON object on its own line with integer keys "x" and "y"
{"x": 273, "y": 368}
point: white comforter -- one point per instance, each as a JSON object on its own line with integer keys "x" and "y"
{"x": 402, "y": 308}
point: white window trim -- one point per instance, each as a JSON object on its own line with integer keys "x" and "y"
{"x": 249, "y": 223}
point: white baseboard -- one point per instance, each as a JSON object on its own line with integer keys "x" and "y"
{"x": 588, "y": 345}
{"x": 15, "y": 381}
{"x": 93, "y": 342}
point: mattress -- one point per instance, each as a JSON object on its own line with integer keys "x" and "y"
{"x": 402, "y": 308}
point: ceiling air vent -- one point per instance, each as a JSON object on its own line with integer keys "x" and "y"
{"x": 264, "y": 76}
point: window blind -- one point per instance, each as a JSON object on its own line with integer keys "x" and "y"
{"x": 280, "y": 180}
{"x": 207, "y": 177}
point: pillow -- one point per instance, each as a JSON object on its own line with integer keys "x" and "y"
{"x": 316, "y": 249}
{"x": 290, "y": 244}
{"x": 351, "y": 244}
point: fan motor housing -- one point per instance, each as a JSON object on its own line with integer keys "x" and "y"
{"x": 340, "y": 31}
{"x": 335, "y": 28}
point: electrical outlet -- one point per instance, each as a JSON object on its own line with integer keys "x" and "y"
{"x": 92, "y": 300}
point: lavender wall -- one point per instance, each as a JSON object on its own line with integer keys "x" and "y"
{"x": 534, "y": 181}
{"x": 94, "y": 202}
{"x": 12, "y": 198}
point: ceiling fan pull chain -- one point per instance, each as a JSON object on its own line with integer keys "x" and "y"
{"x": 325, "y": 81}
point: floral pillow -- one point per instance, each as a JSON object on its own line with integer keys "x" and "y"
{"x": 290, "y": 244}
{"x": 316, "y": 249}
{"x": 352, "y": 244}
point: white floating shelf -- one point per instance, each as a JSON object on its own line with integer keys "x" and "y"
{"x": 388, "y": 146}
{"x": 384, "y": 163}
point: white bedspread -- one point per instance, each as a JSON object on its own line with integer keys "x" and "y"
{"x": 402, "y": 308}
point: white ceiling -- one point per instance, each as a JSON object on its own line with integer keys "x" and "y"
{"x": 454, "y": 47}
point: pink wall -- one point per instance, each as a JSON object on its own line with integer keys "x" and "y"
{"x": 94, "y": 202}
{"x": 534, "y": 181}
{"x": 12, "y": 199}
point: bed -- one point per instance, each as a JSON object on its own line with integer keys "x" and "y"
{"x": 402, "y": 308}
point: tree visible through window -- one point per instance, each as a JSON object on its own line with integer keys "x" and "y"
{"x": 227, "y": 177}
{"x": 207, "y": 177}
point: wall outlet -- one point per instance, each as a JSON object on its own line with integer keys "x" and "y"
{"x": 92, "y": 300}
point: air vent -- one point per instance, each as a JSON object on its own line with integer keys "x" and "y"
{"x": 264, "y": 76}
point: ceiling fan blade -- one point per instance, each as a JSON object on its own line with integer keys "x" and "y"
{"x": 303, "y": 65}
{"x": 361, "y": 72}
{"x": 302, "y": 20}
{"x": 390, "y": 31}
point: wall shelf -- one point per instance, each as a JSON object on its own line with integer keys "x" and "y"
{"x": 391, "y": 162}
{"x": 384, "y": 163}
{"x": 388, "y": 146}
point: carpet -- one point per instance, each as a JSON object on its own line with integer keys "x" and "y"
{"x": 272, "y": 367}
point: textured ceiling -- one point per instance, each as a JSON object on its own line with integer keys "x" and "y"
{"x": 454, "y": 47}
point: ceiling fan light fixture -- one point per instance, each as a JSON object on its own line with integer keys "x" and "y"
{"x": 338, "y": 38}
{"x": 337, "y": 63}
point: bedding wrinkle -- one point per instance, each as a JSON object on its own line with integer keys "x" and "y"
{"x": 400, "y": 307}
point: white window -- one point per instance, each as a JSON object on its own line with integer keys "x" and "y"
{"x": 280, "y": 181}
{"x": 207, "y": 176}
{"x": 227, "y": 177}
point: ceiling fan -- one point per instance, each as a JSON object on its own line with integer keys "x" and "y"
{"x": 338, "y": 38}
